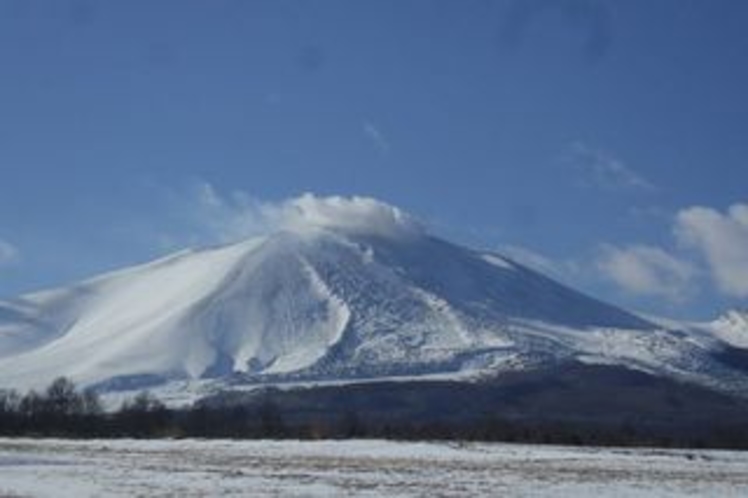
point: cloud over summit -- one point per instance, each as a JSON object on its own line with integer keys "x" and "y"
{"x": 239, "y": 215}
{"x": 353, "y": 214}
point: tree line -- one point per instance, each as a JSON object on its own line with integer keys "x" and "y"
{"x": 61, "y": 410}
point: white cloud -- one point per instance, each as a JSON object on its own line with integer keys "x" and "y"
{"x": 601, "y": 169}
{"x": 237, "y": 215}
{"x": 373, "y": 133}
{"x": 346, "y": 213}
{"x": 8, "y": 253}
{"x": 722, "y": 239}
{"x": 638, "y": 270}
{"x": 647, "y": 271}
{"x": 535, "y": 260}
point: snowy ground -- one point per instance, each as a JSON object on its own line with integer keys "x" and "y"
{"x": 363, "y": 468}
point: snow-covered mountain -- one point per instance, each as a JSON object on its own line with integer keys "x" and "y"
{"x": 345, "y": 290}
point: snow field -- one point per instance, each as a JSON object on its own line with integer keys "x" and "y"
{"x": 60, "y": 468}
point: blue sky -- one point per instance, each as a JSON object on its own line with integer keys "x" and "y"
{"x": 603, "y": 141}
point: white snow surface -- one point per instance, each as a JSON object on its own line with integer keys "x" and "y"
{"x": 331, "y": 300}
{"x": 103, "y": 468}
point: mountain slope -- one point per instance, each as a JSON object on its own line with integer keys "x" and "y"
{"x": 337, "y": 302}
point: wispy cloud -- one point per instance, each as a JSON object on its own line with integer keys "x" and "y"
{"x": 643, "y": 270}
{"x": 559, "y": 269}
{"x": 375, "y": 135}
{"x": 637, "y": 270}
{"x": 601, "y": 169}
{"x": 8, "y": 253}
{"x": 722, "y": 240}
